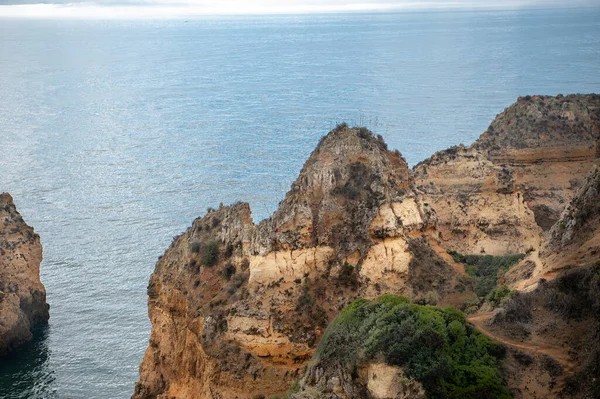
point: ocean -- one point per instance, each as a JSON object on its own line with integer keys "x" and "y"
{"x": 115, "y": 135}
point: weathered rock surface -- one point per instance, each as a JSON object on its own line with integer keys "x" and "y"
{"x": 373, "y": 381}
{"x": 575, "y": 237}
{"x": 22, "y": 295}
{"x": 237, "y": 308}
{"x": 500, "y": 194}
{"x": 245, "y": 323}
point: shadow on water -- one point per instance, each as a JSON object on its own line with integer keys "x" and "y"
{"x": 25, "y": 373}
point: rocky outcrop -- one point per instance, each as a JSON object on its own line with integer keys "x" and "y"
{"x": 479, "y": 209}
{"x": 373, "y": 380}
{"x": 580, "y": 220}
{"x": 237, "y": 308}
{"x": 573, "y": 240}
{"x": 22, "y": 295}
{"x": 502, "y": 193}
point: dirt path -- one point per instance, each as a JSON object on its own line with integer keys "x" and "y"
{"x": 535, "y": 347}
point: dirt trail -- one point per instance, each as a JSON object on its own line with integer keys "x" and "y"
{"x": 534, "y": 347}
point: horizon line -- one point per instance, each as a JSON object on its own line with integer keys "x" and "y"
{"x": 162, "y": 11}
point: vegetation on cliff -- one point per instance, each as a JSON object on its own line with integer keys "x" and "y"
{"x": 485, "y": 269}
{"x": 434, "y": 346}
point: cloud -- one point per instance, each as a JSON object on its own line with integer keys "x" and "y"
{"x": 191, "y": 8}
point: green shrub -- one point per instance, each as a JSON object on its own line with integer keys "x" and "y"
{"x": 499, "y": 295}
{"x": 470, "y": 304}
{"x": 209, "y": 253}
{"x": 434, "y": 346}
{"x": 430, "y": 298}
{"x": 485, "y": 268}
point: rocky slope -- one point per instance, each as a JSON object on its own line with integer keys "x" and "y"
{"x": 502, "y": 193}
{"x": 553, "y": 334}
{"x": 237, "y": 309}
{"x": 22, "y": 295}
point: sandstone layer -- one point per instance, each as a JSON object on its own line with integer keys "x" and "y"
{"x": 238, "y": 308}
{"x": 22, "y": 295}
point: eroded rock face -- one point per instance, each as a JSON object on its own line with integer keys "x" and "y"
{"x": 479, "y": 210}
{"x": 390, "y": 382}
{"x": 237, "y": 309}
{"x": 581, "y": 217}
{"x": 575, "y": 237}
{"x": 500, "y": 194}
{"x": 22, "y": 295}
{"x": 373, "y": 381}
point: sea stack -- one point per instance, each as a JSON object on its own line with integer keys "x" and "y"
{"x": 22, "y": 295}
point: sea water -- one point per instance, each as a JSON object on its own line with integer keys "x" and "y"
{"x": 115, "y": 135}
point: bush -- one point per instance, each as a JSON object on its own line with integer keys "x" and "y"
{"x": 470, "y": 304}
{"x": 348, "y": 276}
{"x": 237, "y": 281}
{"x": 499, "y": 295}
{"x": 523, "y": 358}
{"x": 209, "y": 253}
{"x": 485, "y": 268}
{"x": 434, "y": 346}
{"x": 228, "y": 270}
{"x": 195, "y": 247}
{"x": 430, "y": 298}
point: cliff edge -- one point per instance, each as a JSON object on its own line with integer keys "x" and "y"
{"x": 22, "y": 295}
{"x": 238, "y": 308}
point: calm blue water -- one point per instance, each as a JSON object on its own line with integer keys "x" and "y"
{"x": 114, "y": 136}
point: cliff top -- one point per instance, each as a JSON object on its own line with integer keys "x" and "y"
{"x": 544, "y": 122}
{"x": 536, "y": 128}
{"x": 338, "y": 191}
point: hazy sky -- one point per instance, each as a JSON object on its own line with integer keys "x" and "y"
{"x": 185, "y": 8}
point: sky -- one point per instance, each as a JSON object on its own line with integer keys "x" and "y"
{"x": 190, "y": 8}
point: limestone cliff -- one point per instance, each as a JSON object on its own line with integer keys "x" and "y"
{"x": 500, "y": 194}
{"x": 22, "y": 295}
{"x": 575, "y": 237}
{"x": 237, "y": 308}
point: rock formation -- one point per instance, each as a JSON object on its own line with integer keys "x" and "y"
{"x": 237, "y": 309}
{"x": 22, "y": 295}
{"x": 502, "y": 193}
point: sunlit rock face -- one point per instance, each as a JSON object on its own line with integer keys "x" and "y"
{"x": 22, "y": 295}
